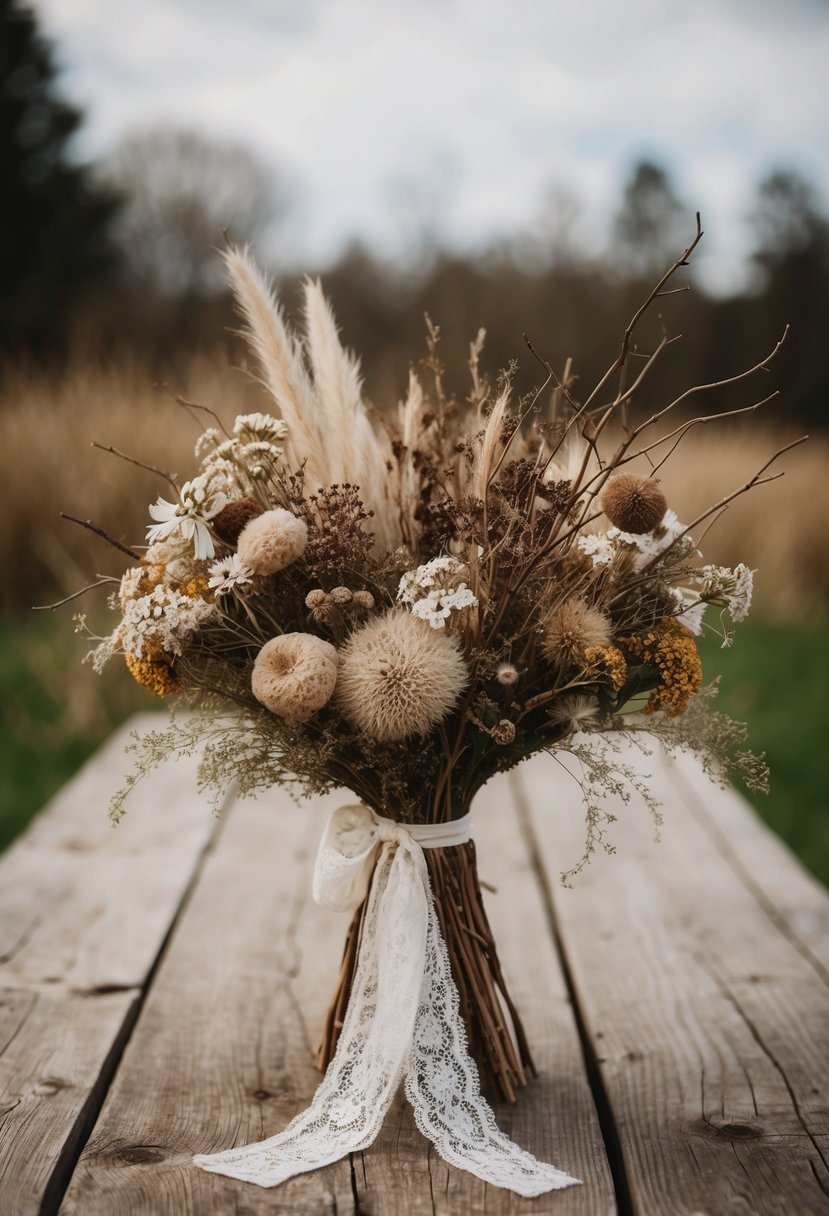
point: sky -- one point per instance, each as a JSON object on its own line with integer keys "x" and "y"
{"x": 464, "y": 116}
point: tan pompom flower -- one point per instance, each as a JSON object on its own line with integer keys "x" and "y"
{"x": 294, "y": 675}
{"x": 632, "y": 503}
{"x": 398, "y": 677}
{"x": 272, "y": 541}
{"x": 572, "y": 628}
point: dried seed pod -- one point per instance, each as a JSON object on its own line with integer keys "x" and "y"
{"x": 363, "y": 599}
{"x": 632, "y": 503}
{"x": 340, "y": 595}
{"x": 232, "y": 518}
{"x": 316, "y": 598}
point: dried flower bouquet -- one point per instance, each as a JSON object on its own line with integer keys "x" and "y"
{"x": 407, "y": 603}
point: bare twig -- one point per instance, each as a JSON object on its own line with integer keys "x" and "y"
{"x": 75, "y": 595}
{"x": 151, "y": 468}
{"x": 116, "y": 544}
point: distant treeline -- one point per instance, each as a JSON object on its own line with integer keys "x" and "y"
{"x": 123, "y": 255}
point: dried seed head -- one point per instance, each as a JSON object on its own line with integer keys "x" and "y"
{"x": 507, "y": 674}
{"x": 294, "y": 674}
{"x": 633, "y": 503}
{"x": 315, "y": 598}
{"x": 398, "y": 677}
{"x": 570, "y": 629}
{"x": 503, "y": 732}
{"x": 363, "y": 599}
{"x": 340, "y": 595}
{"x": 230, "y": 521}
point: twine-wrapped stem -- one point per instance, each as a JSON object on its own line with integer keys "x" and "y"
{"x": 496, "y": 1036}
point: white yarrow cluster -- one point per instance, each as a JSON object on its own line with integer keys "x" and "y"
{"x": 249, "y": 455}
{"x": 436, "y": 590}
{"x": 198, "y": 502}
{"x": 730, "y": 589}
{"x": 163, "y": 619}
{"x": 644, "y": 546}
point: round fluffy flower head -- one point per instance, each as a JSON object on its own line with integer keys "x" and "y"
{"x": 506, "y": 674}
{"x": 570, "y": 629}
{"x": 398, "y": 678}
{"x": 294, "y": 675}
{"x": 188, "y": 517}
{"x": 436, "y": 590}
{"x": 272, "y": 541}
{"x": 633, "y": 503}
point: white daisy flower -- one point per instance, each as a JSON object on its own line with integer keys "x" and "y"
{"x": 198, "y": 503}
{"x": 228, "y": 573}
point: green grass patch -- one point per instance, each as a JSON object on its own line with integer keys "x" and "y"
{"x": 55, "y": 713}
{"x": 775, "y": 678}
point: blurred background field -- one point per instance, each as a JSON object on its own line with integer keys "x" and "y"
{"x": 113, "y": 305}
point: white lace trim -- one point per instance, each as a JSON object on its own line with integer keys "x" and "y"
{"x": 402, "y": 1022}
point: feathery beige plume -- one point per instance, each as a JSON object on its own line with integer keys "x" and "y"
{"x": 282, "y": 365}
{"x": 491, "y": 448}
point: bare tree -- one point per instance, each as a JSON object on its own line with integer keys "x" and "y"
{"x": 181, "y": 189}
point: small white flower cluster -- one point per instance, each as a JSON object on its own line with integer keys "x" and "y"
{"x": 163, "y": 619}
{"x": 250, "y": 455}
{"x": 228, "y": 573}
{"x": 198, "y": 502}
{"x": 436, "y": 590}
{"x": 260, "y": 428}
{"x": 730, "y": 589}
{"x": 645, "y": 545}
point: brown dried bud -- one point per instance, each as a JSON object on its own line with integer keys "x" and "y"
{"x": 315, "y": 598}
{"x": 633, "y": 503}
{"x": 363, "y": 599}
{"x": 230, "y": 521}
{"x": 503, "y": 732}
{"x": 340, "y": 595}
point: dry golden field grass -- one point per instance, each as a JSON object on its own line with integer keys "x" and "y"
{"x": 48, "y": 425}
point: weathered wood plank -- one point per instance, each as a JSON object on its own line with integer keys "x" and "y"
{"x": 84, "y": 912}
{"x": 222, "y": 1052}
{"x": 554, "y": 1117}
{"x": 710, "y": 1026}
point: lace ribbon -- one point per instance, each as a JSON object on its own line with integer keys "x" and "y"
{"x": 402, "y": 1022}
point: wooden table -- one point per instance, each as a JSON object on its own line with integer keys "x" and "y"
{"x": 163, "y": 987}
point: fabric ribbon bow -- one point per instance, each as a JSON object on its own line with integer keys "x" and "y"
{"x": 402, "y": 1022}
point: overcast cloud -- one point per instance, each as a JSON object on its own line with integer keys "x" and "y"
{"x": 466, "y": 112}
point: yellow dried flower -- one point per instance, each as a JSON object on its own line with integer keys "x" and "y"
{"x": 398, "y": 677}
{"x": 139, "y": 581}
{"x": 272, "y": 541}
{"x": 196, "y": 588}
{"x": 609, "y": 662}
{"x": 632, "y": 503}
{"x": 294, "y": 675}
{"x": 572, "y": 628}
{"x": 670, "y": 647}
{"x": 153, "y": 672}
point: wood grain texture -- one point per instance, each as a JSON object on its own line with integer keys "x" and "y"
{"x": 223, "y": 1051}
{"x": 84, "y": 911}
{"x": 709, "y": 1024}
{"x": 554, "y": 1117}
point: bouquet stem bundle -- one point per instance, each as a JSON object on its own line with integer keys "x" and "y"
{"x": 494, "y": 1031}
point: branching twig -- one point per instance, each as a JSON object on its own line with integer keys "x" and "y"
{"x": 151, "y": 468}
{"x": 75, "y": 595}
{"x": 116, "y": 544}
